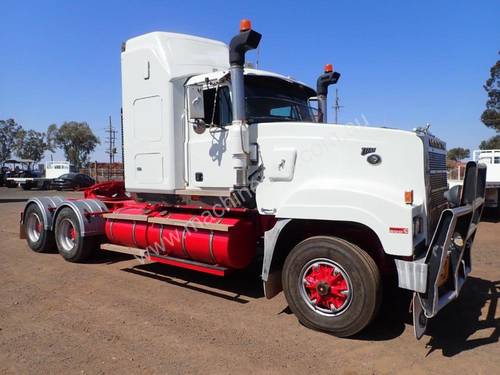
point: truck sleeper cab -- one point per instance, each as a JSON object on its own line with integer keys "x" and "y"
{"x": 226, "y": 165}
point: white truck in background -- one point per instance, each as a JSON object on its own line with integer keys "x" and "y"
{"x": 492, "y": 160}
{"x": 52, "y": 170}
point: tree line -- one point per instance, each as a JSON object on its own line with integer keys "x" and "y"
{"x": 75, "y": 139}
{"x": 490, "y": 116}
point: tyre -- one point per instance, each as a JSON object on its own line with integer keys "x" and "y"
{"x": 70, "y": 243}
{"x": 26, "y": 186}
{"x": 39, "y": 239}
{"x": 332, "y": 285}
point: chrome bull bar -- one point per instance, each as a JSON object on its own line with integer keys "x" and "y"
{"x": 439, "y": 275}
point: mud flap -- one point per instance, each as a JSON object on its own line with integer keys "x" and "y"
{"x": 448, "y": 258}
{"x": 22, "y": 231}
{"x": 419, "y": 318}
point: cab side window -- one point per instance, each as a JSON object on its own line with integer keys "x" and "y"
{"x": 222, "y": 115}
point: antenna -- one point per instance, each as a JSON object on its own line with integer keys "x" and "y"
{"x": 111, "y": 141}
{"x": 257, "y": 57}
{"x": 337, "y": 105}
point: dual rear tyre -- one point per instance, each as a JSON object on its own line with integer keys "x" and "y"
{"x": 67, "y": 235}
{"x": 332, "y": 285}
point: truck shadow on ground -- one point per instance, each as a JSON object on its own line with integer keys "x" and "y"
{"x": 240, "y": 286}
{"x": 461, "y": 326}
{"x": 490, "y": 215}
{"x": 452, "y": 331}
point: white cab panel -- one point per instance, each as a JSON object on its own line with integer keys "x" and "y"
{"x": 155, "y": 68}
{"x": 332, "y": 179}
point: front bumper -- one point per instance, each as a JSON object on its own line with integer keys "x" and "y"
{"x": 437, "y": 277}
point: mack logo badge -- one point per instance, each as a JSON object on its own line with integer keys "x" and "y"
{"x": 374, "y": 159}
{"x": 367, "y": 150}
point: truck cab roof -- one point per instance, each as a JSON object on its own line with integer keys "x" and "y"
{"x": 212, "y": 76}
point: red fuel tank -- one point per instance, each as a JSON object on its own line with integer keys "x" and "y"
{"x": 226, "y": 241}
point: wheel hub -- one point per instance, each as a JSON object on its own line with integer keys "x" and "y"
{"x": 34, "y": 227}
{"x": 66, "y": 235}
{"x": 325, "y": 287}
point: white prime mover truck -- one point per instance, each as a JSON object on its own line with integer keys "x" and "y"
{"x": 227, "y": 165}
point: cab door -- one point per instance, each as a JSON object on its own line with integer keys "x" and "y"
{"x": 209, "y": 160}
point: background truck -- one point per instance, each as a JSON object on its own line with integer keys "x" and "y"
{"x": 226, "y": 166}
{"x": 29, "y": 179}
{"x": 492, "y": 160}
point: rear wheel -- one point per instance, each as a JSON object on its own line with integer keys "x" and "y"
{"x": 70, "y": 243}
{"x": 332, "y": 285}
{"x": 39, "y": 239}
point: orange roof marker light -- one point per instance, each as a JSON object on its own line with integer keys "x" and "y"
{"x": 245, "y": 25}
{"x": 328, "y": 68}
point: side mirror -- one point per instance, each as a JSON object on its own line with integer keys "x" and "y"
{"x": 196, "y": 107}
{"x": 453, "y": 196}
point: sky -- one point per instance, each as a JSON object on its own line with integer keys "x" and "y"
{"x": 403, "y": 63}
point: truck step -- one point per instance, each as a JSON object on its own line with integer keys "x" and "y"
{"x": 177, "y": 262}
{"x": 191, "y": 265}
{"x": 123, "y": 249}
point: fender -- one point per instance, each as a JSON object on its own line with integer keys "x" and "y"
{"x": 272, "y": 282}
{"x": 85, "y": 210}
{"x": 47, "y": 206}
{"x": 374, "y": 206}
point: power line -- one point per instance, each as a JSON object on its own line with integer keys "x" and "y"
{"x": 111, "y": 141}
{"x": 337, "y": 105}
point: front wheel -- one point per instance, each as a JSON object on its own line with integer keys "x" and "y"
{"x": 332, "y": 285}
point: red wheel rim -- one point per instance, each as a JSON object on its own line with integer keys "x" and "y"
{"x": 325, "y": 287}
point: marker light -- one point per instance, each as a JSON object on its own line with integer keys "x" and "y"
{"x": 328, "y": 68}
{"x": 409, "y": 197}
{"x": 245, "y": 25}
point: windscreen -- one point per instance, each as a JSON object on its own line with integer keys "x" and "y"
{"x": 270, "y": 99}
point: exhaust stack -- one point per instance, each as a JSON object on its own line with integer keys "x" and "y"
{"x": 245, "y": 41}
{"x": 329, "y": 77}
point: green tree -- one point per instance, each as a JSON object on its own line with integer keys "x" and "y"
{"x": 51, "y": 137}
{"x": 491, "y": 115}
{"x": 458, "y": 153}
{"x": 491, "y": 143}
{"x": 30, "y": 145}
{"x": 76, "y": 139}
{"x": 9, "y": 131}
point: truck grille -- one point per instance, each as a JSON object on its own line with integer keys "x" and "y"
{"x": 438, "y": 184}
{"x": 437, "y": 162}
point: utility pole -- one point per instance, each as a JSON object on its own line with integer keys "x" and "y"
{"x": 111, "y": 141}
{"x": 337, "y": 106}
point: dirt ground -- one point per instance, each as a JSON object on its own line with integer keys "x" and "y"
{"x": 115, "y": 315}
